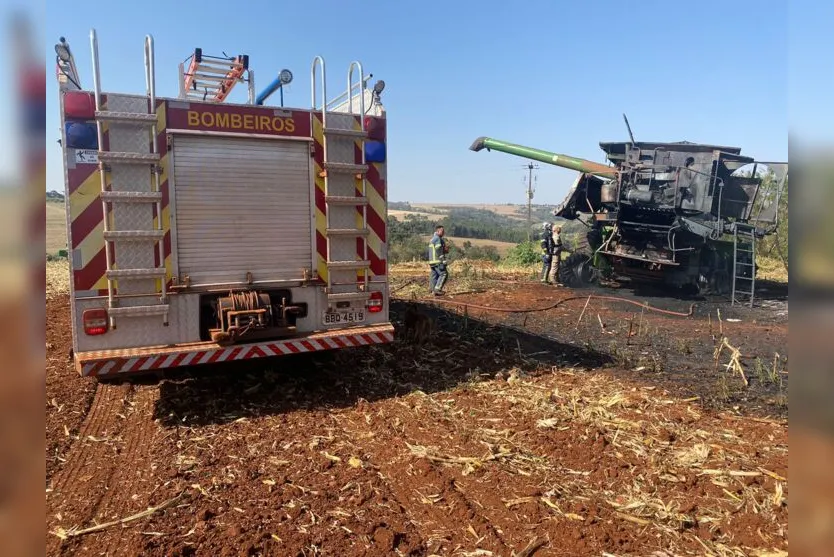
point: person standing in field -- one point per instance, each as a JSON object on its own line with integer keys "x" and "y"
{"x": 548, "y": 247}
{"x": 557, "y": 253}
{"x": 437, "y": 261}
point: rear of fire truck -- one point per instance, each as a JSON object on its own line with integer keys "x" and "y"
{"x": 205, "y": 231}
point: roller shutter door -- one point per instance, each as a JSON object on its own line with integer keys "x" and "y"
{"x": 242, "y": 205}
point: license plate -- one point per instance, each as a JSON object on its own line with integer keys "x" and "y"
{"x": 344, "y": 317}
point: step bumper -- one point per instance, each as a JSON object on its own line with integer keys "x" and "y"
{"x": 121, "y": 362}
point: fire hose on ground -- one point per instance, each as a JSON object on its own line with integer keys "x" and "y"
{"x": 560, "y": 302}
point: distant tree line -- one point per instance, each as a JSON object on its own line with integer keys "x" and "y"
{"x": 463, "y": 223}
{"x": 400, "y": 206}
{"x": 408, "y": 237}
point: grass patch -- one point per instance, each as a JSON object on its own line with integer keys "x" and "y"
{"x": 772, "y": 269}
{"x": 57, "y": 278}
{"x": 56, "y": 227}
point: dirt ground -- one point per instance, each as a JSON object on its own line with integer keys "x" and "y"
{"x": 504, "y": 434}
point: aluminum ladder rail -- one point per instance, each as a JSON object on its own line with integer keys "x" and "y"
{"x": 744, "y": 264}
{"x": 109, "y": 197}
{"x": 359, "y": 171}
{"x": 211, "y": 79}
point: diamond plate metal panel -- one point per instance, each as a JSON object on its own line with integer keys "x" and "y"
{"x": 129, "y": 177}
{"x": 342, "y": 217}
{"x": 343, "y": 249}
{"x": 340, "y": 276}
{"x": 339, "y": 183}
{"x": 128, "y": 137}
{"x": 341, "y": 149}
{"x": 341, "y": 121}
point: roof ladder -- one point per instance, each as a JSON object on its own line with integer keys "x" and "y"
{"x": 125, "y": 201}
{"x": 345, "y": 185}
{"x": 744, "y": 263}
{"x": 211, "y": 78}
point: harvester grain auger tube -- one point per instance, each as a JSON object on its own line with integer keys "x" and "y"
{"x": 565, "y": 161}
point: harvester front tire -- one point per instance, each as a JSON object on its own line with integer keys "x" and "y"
{"x": 575, "y": 271}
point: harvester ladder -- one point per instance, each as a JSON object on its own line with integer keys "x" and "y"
{"x": 132, "y": 125}
{"x": 211, "y": 78}
{"x": 339, "y": 164}
{"x": 744, "y": 264}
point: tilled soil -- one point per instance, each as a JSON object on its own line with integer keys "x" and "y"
{"x": 485, "y": 440}
{"x": 68, "y": 399}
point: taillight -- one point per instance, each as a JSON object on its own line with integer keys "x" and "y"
{"x": 95, "y": 321}
{"x": 375, "y": 302}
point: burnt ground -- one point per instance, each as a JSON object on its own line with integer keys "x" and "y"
{"x": 675, "y": 352}
{"x": 497, "y": 435}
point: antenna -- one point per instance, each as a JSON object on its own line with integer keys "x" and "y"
{"x": 631, "y": 135}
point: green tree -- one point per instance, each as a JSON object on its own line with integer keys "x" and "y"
{"x": 776, "y": 244}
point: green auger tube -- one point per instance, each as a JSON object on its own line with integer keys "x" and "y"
{"x": 565, "y": 161}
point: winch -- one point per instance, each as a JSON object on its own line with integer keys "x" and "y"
{"x": 252, "y": 314}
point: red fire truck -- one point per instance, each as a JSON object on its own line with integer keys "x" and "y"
{"x": 205, "y": 231}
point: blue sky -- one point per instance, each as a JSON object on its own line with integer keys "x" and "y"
{"x": 554, "y": 75}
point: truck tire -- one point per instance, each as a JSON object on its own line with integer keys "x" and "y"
{"x": 575, "y": 271}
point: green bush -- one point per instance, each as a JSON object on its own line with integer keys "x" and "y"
{"x": 525, "y": 253}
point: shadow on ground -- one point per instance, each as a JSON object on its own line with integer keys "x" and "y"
{"x": 462, "y": 350}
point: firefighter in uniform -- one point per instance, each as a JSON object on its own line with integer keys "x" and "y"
{"x": 548, "y": 247}
{"x": 437, "y": 262}
{"x": 557, "y": 253}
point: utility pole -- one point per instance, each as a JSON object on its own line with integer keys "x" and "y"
{"x": 530, "y": 191}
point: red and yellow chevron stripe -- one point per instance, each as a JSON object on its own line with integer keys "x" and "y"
{"x": 87, "y": 215}
{"x": 162, "y": 146}
{"x": 86, "y": 224}
{"x": 321, "y": 206}
{"x": 376, "y": 193}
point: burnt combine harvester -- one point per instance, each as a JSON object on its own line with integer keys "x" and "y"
{"x": 682, "y": 214}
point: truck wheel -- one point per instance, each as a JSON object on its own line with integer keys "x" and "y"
{"x": 576, "y": 271}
